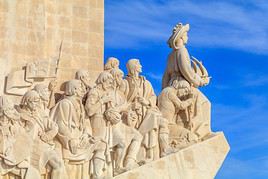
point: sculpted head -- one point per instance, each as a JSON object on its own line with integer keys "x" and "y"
{"x": 111, "y": 63}
{"x": 106, "y": 80}
{"x": 179, "y": 36}
{"x": 7, "y": 110}
{"x": 74, "y": 88}
{"x": 118, "y": 75}
{"x": 134, "y": 66}
{"x": 132, "y": 118}
{"x": 183, "y": 87}
{"x": 31, "y": 100}
{"x": 84, "y": 76}
{"x": 43, "y": 91}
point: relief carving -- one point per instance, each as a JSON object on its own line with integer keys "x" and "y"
{"x": 103, "y": 129}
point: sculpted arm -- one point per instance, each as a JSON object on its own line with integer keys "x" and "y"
{"x": 62, "y": 116}
{"x": 178, "y": 103}
{"x": 166, "y": 77}
{"x": 93, "y": 103}
{"x": 52, "y": 130}
{"x": 152, "y": 97}
{"x": 187, "y": 71}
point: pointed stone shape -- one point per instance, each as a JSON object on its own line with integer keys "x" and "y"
{"x": 201, "y": 160}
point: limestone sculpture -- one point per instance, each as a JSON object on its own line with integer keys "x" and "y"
{"x": 78, "y": 145}
{"x": 43, "y": 131}
{"x": 109, "y": 128}
{"x": 12, "y": 137}
{"x": 181, "y": 67}
{"x": 111, "y": 63}
{"x": 150, "y": 122}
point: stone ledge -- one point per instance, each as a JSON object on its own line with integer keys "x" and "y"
{"x": 201, "y": 160}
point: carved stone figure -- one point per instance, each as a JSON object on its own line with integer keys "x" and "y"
{"x": 99, "y": 129}
{"x": 180, "y": 66}
{"x": 44, "y": 94}
{"x": 170, "y": 104}
{"x": 12, "y": 138}
{"x": 98, "y": 101}
{"x": 150, "y": 124}
{"x": 47, "y": 95}
{"x": 194, "y": 118}
{"x": 42, "y": 130}
{"x": 78, "y": 145}
{"x": 84, "y": 77}
{"x": 120, "y": 83}
{"x": 111, "y": 63}
{"x": 126, "y": 142}
{"x": 131, "y": 118}
{"x": 179, "y": 62}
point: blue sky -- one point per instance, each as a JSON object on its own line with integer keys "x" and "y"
{"x": 231, "y": 38}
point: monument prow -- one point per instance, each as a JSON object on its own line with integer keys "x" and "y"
{"x": 72, "y": 117}
{"x": 200, "y": 160}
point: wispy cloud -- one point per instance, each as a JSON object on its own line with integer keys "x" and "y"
{"x": 236, "y": 168}
{"x": 255, "y": 80}
{"x": 157, "y": 77}
{"x": 245, "y": 122}
{"x": 132, "y": 24}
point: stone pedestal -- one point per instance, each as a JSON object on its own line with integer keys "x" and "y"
{"x": 201, "y": 160}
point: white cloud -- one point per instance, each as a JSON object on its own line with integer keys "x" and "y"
{"x": 243, "y": 123}
{"x": 157, "y": 77}
{"x": 234, "y": 168}
{"x": 132, "y": 24}
{"x": 255, "y": 80}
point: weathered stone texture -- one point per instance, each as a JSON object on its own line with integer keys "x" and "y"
{"x": 34, "y": 29}
{"x": 201, "y": 160}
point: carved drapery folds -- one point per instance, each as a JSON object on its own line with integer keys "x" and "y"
{"x": 107, "y": 128}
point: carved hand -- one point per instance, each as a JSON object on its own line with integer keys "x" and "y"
{"x": 205, "y": 81}
{"x": 143, "y": 101}
{"x": 94, "y": 140}
{"x": 84, "y": 140}
{"x": 44, "y": 137}
{"x": 73, "y": 146}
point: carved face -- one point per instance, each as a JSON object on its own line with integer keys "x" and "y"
{"x": 185, "y": 38}
{"x": 85, "y": 79}
{"x": 132, "y": 118}
{"x": 44, "y": 94}
{"x": 32, "y": 104}
{"x": 108, "y": 84}
{"x": 119, "y": 78}
{"x": 182, "y": 92}
{"x": 138, "y": 67}
{"x": 80, "y": 90}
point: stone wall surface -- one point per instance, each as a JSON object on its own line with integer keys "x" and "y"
{"x": 31, "y": 30}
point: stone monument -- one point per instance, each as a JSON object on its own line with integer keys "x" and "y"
{"x": 64, "y": 114}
